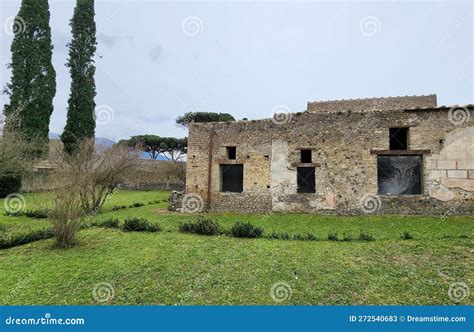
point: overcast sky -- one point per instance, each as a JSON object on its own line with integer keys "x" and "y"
{"x": 159, "y": 59}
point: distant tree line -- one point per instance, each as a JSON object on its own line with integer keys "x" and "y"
{"x": 169, "y": 147}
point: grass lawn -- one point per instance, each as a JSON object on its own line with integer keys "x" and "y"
{"x": 174, "y": 268}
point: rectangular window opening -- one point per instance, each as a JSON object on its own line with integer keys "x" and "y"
{"x": 232, "y": 178}
{"x": 399, "y": 138}
{"x": 306, "y": 156}
{"x": 306, "y": 180}
{"x": 399, "y": 175}
{"x": 231, "y": 152}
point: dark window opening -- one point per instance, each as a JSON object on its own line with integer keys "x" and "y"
{"x": 232, "y": 178}
{"x": 231, "y": 152}
{"x": 399, "y": 175}
{"x": 398, "y": 138}
{"x": 306, "y": 180}
{"x": 306, "y": 156}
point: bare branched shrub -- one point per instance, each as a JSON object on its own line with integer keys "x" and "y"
{"x": 84, "y": 181}
{"x": 97, "y": 174}
{"x": 66, "y": 215}
{"x": 15, "y": 161}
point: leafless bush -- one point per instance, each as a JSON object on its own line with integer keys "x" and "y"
{"x": 15, "y": 161}
{"x": 66, "y": 215}
{"x": 84, "y": 180}
{"x": 97, "y": 174}
{"x": 14, "y": 157}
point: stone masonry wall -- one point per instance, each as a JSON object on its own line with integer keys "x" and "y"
{"x": 347, "y": 173}
{"x": 384, "y": 103}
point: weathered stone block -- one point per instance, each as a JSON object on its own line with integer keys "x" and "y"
{"x": 431, "y": 164}
{"x": 465, "y": 164}
{"x": 446, "y": 164}
{"x": 457, "y": 174}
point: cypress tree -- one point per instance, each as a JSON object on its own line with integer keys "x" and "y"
{"x": 80, "y": 115}
{"x": 33, "y": 81}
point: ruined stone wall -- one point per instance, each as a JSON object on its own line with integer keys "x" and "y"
{"x": 383, "y": 103}
{"x": 151, "y": 174}
{"x": 346, "y": 178}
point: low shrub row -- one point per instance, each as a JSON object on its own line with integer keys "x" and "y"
{"x": 36, "y": 214}
{"x": 137, "y": 204}
{"x": 129, "y": 224}
{"x": 241, "y": 229}
{"x": 140, "y": 225}
{"x": 363, "y": 236}
{"x": 207, "y": 226}
{"x": 13, "y": 240}
{"x": 121, "y": 207}
{"x": 202, "y": 226}
{"x": 107, "y": 223}
{"x": 297, "y": 237}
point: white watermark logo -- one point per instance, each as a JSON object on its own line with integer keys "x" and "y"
{"x": 14, "y": 25}
{"x": 192, "y": 203}
{"x": 280, "y": 292}
{"x": 103, "y": 292}
{"x": 281, "y": 114}
{"x": 192, "y": 25}
{"x": 103, "y": 114}
{"x": 14, "y": 203}
{"x": 458, "y": 115}
{"x": 370, "y": 25}
{"x": 370, "y": 203}
{"x": 458, "y": 291}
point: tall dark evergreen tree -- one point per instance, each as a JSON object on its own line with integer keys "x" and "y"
{"x": 33, "y": 82}
{"x": 80, "y": 116}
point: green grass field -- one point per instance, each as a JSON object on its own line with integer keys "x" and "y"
{"x": 174, "y": 268}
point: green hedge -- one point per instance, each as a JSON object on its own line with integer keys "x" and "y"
{"x": 9, "y": 184}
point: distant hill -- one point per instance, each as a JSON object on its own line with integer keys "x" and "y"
{"x": 100, "y": 141}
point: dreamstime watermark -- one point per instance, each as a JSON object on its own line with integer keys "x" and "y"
{"x": 46, "y": 320}
{"x": 192, "y": 203}
{"x": 19, "y": 286}
{"x": 14, "y": 203}
{"x": 14, "y": 25}
{"x": 266, "y": 216}
{"x": 103, "y": 114}
{"x": 453, "y": 208}
{"x": 459, "y": 115}
{"x": 97, "y": 209}
{"x": 13, "y": 118}
{"x": 280, "y": 292}
{"x": 103, "y": 292}
{"x": 281, "y": 114}
{"x": 458, "y": 291}
{"x": 197, "y": 284}
{"x": 370, "y": 26}
{"x": 370, "y": 203}
{"x": 192, "y": 25}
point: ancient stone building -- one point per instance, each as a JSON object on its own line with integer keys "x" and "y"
{"x": 378, "y": 155}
